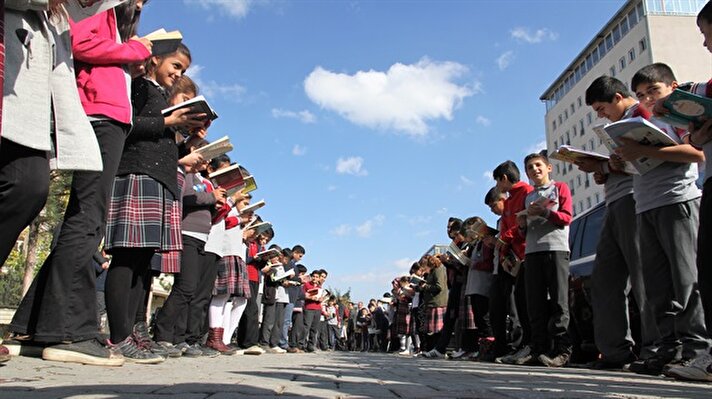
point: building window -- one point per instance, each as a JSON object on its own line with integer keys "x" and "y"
{"x": 578, "y": 181}
{"x": 581, "y": 127}
{"x": 554, "y": 124}
{"x": 574, "y": 129}
{"x": 570, "y": 167}
{"x": 556, "y": 144}
{"x": 580, "y": 103}
{"x": 598, "y": 198}
{"x": 566, "y": 114}
{"x": 589, "y": 119}
{"x": 557, "y": 169}
{"x": 642, "y": 45}
{"x": 561, "y": 120}
{"x": 631, "y": 55}
{"x": 568, "y": 138}
{"x": 621, "y": 63}
{"x": 616, "y": 34}
{"x": 588, "y": 202}
{"x": 573, "y": 109}
{"x": 590, "y": 144}
{"x": 612, "y": 71}
{"x": 581, "y": 206}
{"x": 624, "y": 26}
{"x": 584, "y": 147}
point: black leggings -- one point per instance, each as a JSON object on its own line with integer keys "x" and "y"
{"x": 127, "y": 284}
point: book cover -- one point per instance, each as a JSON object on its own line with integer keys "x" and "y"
{"x": 477, "y": 230}
{"x": 545, "y": 202}
{"x": 197, "y": 104}
{"x": 250, "y": 184}
{"x": 215, "y": 149}
{"x": 279, "y": 274}
{"x": 685, "y": 108}
{"x": 260, "y": 227}
{"x": 227, "y": 178}
{"x": 252, "y": 207}
{"x": 413, "y": 279}
{"x": 570, "y": 154}
{"x": 77, "y": 10}
{"x": 456, "y": 253}
{"x": 270, "y": 253}
{"x": 164, "y": 42}
{"x": 640, "y": 130}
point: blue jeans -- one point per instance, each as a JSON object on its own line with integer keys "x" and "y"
{"x": 284, "y": 340}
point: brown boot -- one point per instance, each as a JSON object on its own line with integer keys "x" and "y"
{"x": 215, "y": 336}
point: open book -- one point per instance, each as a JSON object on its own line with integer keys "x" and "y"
{"x": 545, "y": 202}
{"x": 252, "y": 207}
{"x": 414, "y": 279}
{"x": 164, "y": 42}
{"x": 638, "y": 129}
{"x": 456, "y": 253}
{"x": 227, "y": 178}
{"x": 270, "y": 253}
{"x": 477, "y": 230}
{"x": 250, "y": 184}
{"x": 278, "y": 273}
{"x": 511, "y": 263}
{"x": 685, "y": 108}
{"x": 197, "y": 104}
{"x": 571, "y": 154}
{"x": 78, "y": 10}
{"x": 260, "y": 227}
{"x": 215, "y": 149}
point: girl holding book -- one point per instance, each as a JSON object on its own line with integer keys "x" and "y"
{"x": 145, "y": 212}
{"x": 434, "y": 295}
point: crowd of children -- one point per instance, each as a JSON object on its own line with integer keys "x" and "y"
{"x": 92, "y": 100}
{"x": 95, "y": 101}
{"x": 502, "y": 295}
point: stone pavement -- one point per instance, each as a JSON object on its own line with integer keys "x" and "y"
{"x": 327, "y": 375}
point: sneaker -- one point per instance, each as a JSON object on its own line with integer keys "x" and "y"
{"x": 293, "y": 350}
{"x": 182, "y": 347}
{"x": 457, "y": 354}
{"x": 90, "y": 352}
{"x": 697, "y": 369}
{"x": 520, "y": 357}
{"x": 406, "y": 352}
{"x": 433, "y": 354}
{"x": 190, "y": 350}
{"x": 254, "y": 350}
{"x": 135, "y": 354}
{"x": 650, "y": 366}
{"x": 559, "y": 360}
{"x": 24, "y": 347}
{"x": 208, "y": 352}
{"x": 170, "y": 349}
{"x": 144, "y": 341}
{"x": 276, "y": 349}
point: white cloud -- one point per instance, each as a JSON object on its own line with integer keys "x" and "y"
{"x": 405, "y": 98}
{"x": 210, "y": 88}
{"x": 403, "y": 264}
{"x": 331, "y": 188}
{"x": 303, "y": 116}
{"x": 481, "y": 120}
{"x": 487, "y": 176}
{"x": 341, "y": 230}
{"x": 505, "y": 59}
{"x": 237, "y": 9}
{"x": 351, "y": 166}
{"x": 464, "y": 180}
{"x": 522, "y": 34}
{"x": 536, "y": 147}
{"x": 298, "y": 150}
{"x": 363, "y": 230}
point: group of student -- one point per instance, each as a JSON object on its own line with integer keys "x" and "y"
{"x": 654, "y": 246}
{"x": 87, "y": 95}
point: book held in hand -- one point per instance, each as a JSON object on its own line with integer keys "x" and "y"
{"x": 456, "y": 253}
{"x": 250, "y": 185}
{"x": 637, "y": 129}
{"x": 546, "y": 203}
{"x": 197, "y": 105}
{"x": 270, "y": 253}
{"x": 279, "y": 274}
{"x": 685, "y": 108}
{"x": 164, "y": 42}
{"x": 259, "y": 227}
{"x": 252, "y": 207}
{"x": 215, "y": 149}
{"x": 416, "y": 280}
{"x": 477, "y": 230}
{"x": 227, "y": 178}
{"x": 570, "y": 154}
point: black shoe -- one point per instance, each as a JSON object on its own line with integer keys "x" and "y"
{"x": 557, "y": 360}
{"x": 24, "y": 347}
{"x": 84, "y": 352}
{"x": 208, "y": 352}
{"x": 651, "y": 366}
{"x": 605, "y": 364}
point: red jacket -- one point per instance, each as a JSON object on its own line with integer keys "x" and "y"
{"x": 509, "y": 232}
{"x": 99, "y": 60}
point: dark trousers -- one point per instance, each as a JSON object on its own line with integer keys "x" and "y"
{"x": 471, "y": 337}
{"x": 704, "y": 253}
{"x": 311, "y": 326}
{"x": 272, "y": 319}
{"x": 61, "y": 302}
{"x": 296, "y": 334}
{"x": 183, "y": 314}
{"x": 127, "y": 283}
{"x": 249, "y": 328}
{"x": 500, "y": 294}
{"x": 453, "y": 311}
{"x": 323, "y": 335}
{"x": 24, "y": 184}
{"x": 547, "y": 282}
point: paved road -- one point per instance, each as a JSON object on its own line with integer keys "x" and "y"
{"x": 327, "y": 375}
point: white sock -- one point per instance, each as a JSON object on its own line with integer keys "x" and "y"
{"x": 231, "y": 322}
{"x": 216, "y": 310}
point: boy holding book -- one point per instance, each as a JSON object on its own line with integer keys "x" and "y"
{"x": 667, "y": 209}
{"x": 545, "y": 224}
{"x": 618, "y": 268}
{"x": 507, "y": 176}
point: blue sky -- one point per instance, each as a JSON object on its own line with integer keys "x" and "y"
{"x": 368, "y": 123}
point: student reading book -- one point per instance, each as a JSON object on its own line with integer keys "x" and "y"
{"x": 252, "y": 207}
{"x": 215, "y": 149}
{"x": 197, "y": 104}
{"x": 164, "y": 42}
{"x": 227, "y": 178}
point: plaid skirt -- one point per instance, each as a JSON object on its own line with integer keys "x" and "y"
{"x": 232, "y": 278}
{"x": 403, "y": 318}
{"x": 435, "y": 319}
{"x": 144, "y": 214}
{"x": 466, "y": 312}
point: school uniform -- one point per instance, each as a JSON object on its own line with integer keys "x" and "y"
{"x": 435, "y": 297}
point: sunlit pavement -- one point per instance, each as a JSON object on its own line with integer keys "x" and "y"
{"x": 327, "y": 375}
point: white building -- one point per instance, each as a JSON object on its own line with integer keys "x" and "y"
{"x": 640, "y": 33}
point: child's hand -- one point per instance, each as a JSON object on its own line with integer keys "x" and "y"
{"x": 146, "y": 43}
{"x": 600, "y": 178}
{"x": 589, "y": 165}
{"x": 659, "y": 109}
{"x": 490, "y": 241}
{"x": 630, "y": 150}
{"x": 191, "y": 160}
{"x": 184, "y": 118}
{"x": 534, "y": 209}
{"x": 219, "y": 194}
{"x": 616, "y": 163}
{"x": 522, "y": 221}
{"x": 701, "y": 135}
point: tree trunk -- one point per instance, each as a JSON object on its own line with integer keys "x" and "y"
{"x": 31, "y": 255}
